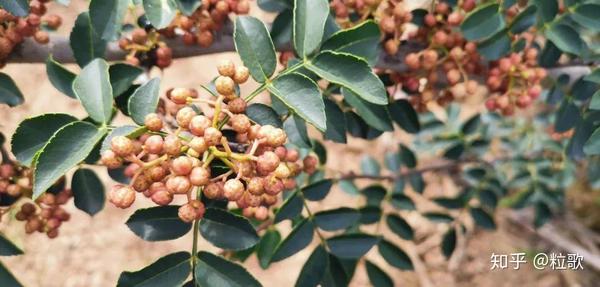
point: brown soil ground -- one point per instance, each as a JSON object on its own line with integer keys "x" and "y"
{"x": 91, "y": 252}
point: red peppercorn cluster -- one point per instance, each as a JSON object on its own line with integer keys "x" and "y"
{"x": 44, "y": 214}
{"x": 445, "y": 69}
{"x": 199, "y": 27}
{"x": 165, "y": 163}
{"x": 15, "y": 181}
{"x": 14, "y": 30}
{"x": 144, "y": 47}
{"x": 447, "y": 54}
{"x": 392, "y": 25}
{"x": 391, "y": 16}
{"x": 514, "y": 82}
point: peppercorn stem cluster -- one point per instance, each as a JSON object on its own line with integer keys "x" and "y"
{"x": 249, "y": 168}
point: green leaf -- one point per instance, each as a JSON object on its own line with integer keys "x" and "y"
{"x": 583, "y": 131}
{"x": 88, "y": 191}
{"x": 170, "y": 270}
{"x": 394, "y": 255}
{"x": 7, "y": 248}
{"x": 266, "y": 247}
{"x": 281, "y": 28}
{"x": 582, "y": 90}
{"x": 438, "y": 217}
{"x": 144, "y": 101}
{"x": 160, "y": 12}
{"x": 7, "y": 278}
{"x": 357, "y": 127}
{"x": 524, "y": 20}
{"x": 351, "y": 72}
{"x": 566, "y": 38}
{"x": 592, "y": 145}
{"x": 314, "y": 269}
{"x": 9, "y": 92}
{"x": 370, "y": 214}
{"x": 471, "y": 125}
{"x": 588, "y": 15}
{"x": 401, "y": 201}
{"x": 542, "y": 214}
{"x": 571, "y": 3}
{"x": 449, "y": 242}
{"x": 339, "y": 272}
{"x": 488, "y": 198}
{"x": 348, "y": 187}
{"x": 92, "y": 87}
{"x": 263, "y": 115}
{"x": 403, "y": 113}
{"x": 187, "y": 7}
{"x": 19, "y": 8}
{"x": 86, "y": 44}
{"x": 33, "y": 133}
{"x": 122, "y": 76}
{"x": 398, "y": 186}
{"x": 377, "y": 276}
{"x": 519, "y": 45}
{"x": 495, "y": 47}
{"x": 122, "y": 100}
{"x": 374, "y": 193}
{"x": 369, "y": 166}
{"x": 275, "y": 5}
{"x": 567, "y": 116}
{"x": 213, "y": 270}
{"x": 550, "y": 55}
{"x": 399, "y": 226}
{"x": 118, "y": 175}
{"x": 482, "y": 218}
{"x": 298, "y": 239}
{"x": 407, "y": 156}
{"x": 482, "y": 22}
{"x": 279, "y": 107}
{"x": 417, "y": 182}
{"x": 317, "y": 191}
{"x": 392, "y": 161}
{"x": 61, "y": 78}
{"x": 376, "y": 116}
{"x": 594, "y": 76}
{"x": 352, "y": 246}
{"x": 455, "y": 151}
{"x": 335, "y": 219}
{"x": 453, "y": 202}
{"x": 70, "y": 145}
{"x": 253, "y": 43}
{"x": 361, "y": 40}
{"x": 418, "y": 16}
{"x": 302, "y": 95}
{"x": 290, "y": 208}
{"x": 107, "y": 17}
{"x": 297, "y": 134}
{"x": 336, "y": 129}
{"x": 227, "y": 230}
{"x": 158, "y": 223}
{"x": 309, "y": 24}
{"x": 319, "y": 150}
{"x": 547, "y": 9}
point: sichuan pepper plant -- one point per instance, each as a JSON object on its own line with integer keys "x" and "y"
{"x": 230, "y": 170}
